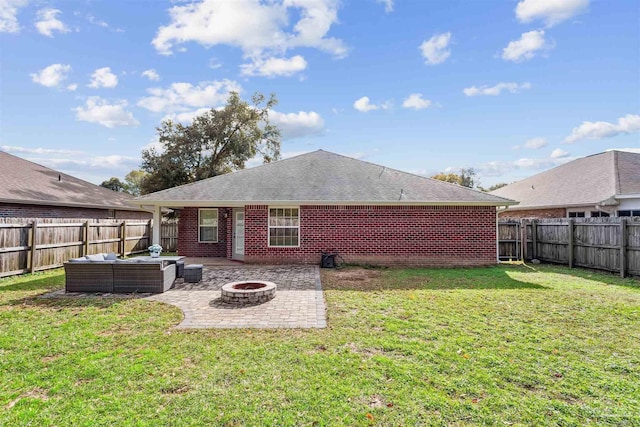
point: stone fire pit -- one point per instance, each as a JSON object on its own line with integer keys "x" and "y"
{"x": 250, "y": 292}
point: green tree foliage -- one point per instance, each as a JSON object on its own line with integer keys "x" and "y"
{"x": 466, "y": 177}
{"x": 493, "y": 187}
{"x": 217, "y": 142}
{"x": 114, "y": 184}
{"x": 133, "y": 181}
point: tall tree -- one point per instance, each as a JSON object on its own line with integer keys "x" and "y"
{"x": 114, "y": 184}
{"x": 466, "y": 177}
{"x": 217, "y": 142}
{"x": 133, "y": 181}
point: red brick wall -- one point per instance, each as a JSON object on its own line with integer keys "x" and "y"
{"x": 188, "y": 244}
{"x": 382, "y": 235}
{"x": 8, "y": 210}
{"x": 534, "y": 213}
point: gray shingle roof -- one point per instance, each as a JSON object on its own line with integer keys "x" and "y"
{"x": 22, "y": 181}
{"x": 321, "y": 177}
{"x": 586, "y": 181}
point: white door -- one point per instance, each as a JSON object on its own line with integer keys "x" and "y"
{"x": 238, "y": 233}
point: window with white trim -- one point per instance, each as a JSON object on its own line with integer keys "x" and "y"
{"x": 284, "y": 227}
{"x": 208, "y": 225}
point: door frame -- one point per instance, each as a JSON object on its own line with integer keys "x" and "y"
{"x": 234, "y": 240}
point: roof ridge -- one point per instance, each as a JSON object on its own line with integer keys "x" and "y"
{"x": 229, "y": 173}
{"x": 616, "y": 173}
{"x": 62, "y": 174}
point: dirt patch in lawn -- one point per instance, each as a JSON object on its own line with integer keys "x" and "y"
{"x": 352, "y": 278}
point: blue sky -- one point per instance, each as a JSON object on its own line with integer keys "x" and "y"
{"x": 509, "y": 88}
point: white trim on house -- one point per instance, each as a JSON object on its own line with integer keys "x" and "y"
{"x": 217, "y": 226}
{"x": 137, "y": 207}
{"x": 286, "y": 203}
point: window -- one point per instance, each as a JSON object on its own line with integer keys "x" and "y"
{"x": 576, "y": 214}
{"x": 284, "y": 227}
{"x": 208, "y": 225}
{"x": 629, "y": 213}
{"x": 599, "y": 214}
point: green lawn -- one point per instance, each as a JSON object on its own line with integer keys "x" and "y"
{"x": 508, "y": 345}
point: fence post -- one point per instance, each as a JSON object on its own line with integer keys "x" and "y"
{"x": 623, "y": 247}
{"x": 85, "y": 238}
{"x": 534, "y": 239}
{"x": 523, "y": 239}
{"x": 123, "y": 238}
{"x": 570, "y": 249}
{"x": 32, "y": 242}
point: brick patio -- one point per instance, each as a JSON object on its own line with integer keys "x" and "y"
{"x": 299, "y": 301}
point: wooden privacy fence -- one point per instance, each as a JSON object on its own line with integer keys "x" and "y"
{"x": 28, "y": 245}
{"x": 611, "y": 244}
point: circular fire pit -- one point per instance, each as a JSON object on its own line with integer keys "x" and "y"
{"x": 250, "y": 292}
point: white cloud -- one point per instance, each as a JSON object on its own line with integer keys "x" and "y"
{"x": 598, "y": 130}
{"x": 95, "y": 21}
{"x": 535, "y": 143}
{"x": 9, "y": 15}
{"x": 552, "y": 12}
{"x": 27, "y": 150}
{"x": 416, "y": 102}
{"x": 186, "y": 117}
{"x": 184, "y": 97}
{"x": 296, "y": 125}
{"x": 364, "y": 104}
{"x": 214, "y": 63}
{"x": 260, "y": 29}
{"x": 388, "y": 5}
{"x": 98, "y": 110}
{"x": 497, "y": 89}
{"x": 151, "y": 75}
{"x": 272, "y": 67}
{"x": 52, "y": 75}
{"x": 559, "y": 153}
{"x": 72, "y": 87}
{"x": 525, "y": 48}
{"x": 435, "y": 49}
{"x": 103, "y": 77}
{"x": 48, "y": 22}
{"x": 500, "y": 168}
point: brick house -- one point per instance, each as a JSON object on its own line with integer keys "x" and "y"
{"x": 601, "y": 185}
{"x": 291, "y": 210}
{"x": 29, "y": 190}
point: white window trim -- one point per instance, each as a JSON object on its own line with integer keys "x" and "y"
{"x": 217, "y": 225}
{"x": 269, "y": 226}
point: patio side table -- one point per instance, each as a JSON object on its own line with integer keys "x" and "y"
{"x": 179, "y": 269}
{"x": 193, "y": 273}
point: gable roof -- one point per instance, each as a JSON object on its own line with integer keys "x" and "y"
{"x": 320, "y": 177}
{"x": 25, "y": 182}
{"x": 590, "y": 180}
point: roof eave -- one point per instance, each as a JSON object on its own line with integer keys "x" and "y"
{"x": 239, "y": 203}
{"x": 137, "y": 207}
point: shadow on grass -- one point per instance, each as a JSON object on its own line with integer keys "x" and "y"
{"x": 370, "y": 279}
{"x": 606, "y": 277}
{"x": 46, "y": 290}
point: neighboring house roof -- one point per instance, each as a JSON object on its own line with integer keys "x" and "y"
{"x": 592, "y": 180}
{"x": 320, "y": 177}
{"x": 25, "y": 182}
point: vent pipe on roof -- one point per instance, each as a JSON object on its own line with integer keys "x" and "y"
{"x": 59, "y": 177}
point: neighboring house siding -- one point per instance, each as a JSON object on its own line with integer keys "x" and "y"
{"x": 188, "y": 243}
{"x": 382, "y": 235}
{"x": 534, "y": 213}
{"x": 46, "y": 211}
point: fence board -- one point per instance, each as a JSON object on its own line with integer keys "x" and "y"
{"x": 33, "y": 244}
{"x": 610, "y": 244}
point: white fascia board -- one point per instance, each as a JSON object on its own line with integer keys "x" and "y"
{"x": 627, "y": 196}
{"x": 136, "y": 207}
{"x": 236, "y": 203}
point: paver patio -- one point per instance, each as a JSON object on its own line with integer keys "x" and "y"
{"x": 299, "y": 302}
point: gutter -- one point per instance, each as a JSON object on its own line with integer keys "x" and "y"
{"x": 75, "y": 205}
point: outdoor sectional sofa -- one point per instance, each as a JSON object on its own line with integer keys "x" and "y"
{"x": 106, "y": 273}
